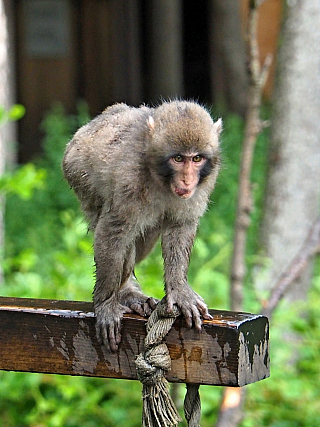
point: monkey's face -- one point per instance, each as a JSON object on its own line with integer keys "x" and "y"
{"x": 183, "y": 148}
{"x": 184, "y": 172}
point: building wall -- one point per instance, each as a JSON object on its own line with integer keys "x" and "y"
{"x": 105, "y": 51}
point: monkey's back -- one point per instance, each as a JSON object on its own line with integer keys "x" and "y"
{"x": 97, "y": 148}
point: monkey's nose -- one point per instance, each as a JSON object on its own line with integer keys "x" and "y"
{"x": 187, "y": 181}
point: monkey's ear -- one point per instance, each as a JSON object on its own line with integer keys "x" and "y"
{"x": 218, "y": 126}
{"x": 150, "y": 123}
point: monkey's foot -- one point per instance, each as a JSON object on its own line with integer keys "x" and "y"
{"x": 191, "y": 304}
{"x": 108, "y": 323}
{"x": 137, "y": 301}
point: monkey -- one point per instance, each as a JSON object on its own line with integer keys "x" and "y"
{"x": 141, "y": 173}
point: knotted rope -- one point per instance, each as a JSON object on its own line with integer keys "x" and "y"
{"x": 152, "y": 365}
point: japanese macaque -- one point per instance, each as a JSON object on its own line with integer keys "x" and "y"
{"x": 141, "y": 173}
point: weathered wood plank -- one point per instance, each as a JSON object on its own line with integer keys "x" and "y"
{"x": 59, "y": 337}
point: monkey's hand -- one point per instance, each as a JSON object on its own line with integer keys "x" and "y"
{"x": 191, "y": 305}
{"x": 108, "y": 323}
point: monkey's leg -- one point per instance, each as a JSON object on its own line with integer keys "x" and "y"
{"x": 112, "y": 270}
{"x": 116, "y": 292}
{"x": 130, "y": 293}
{"x": 146, "y": 242}
{"x": 131, "y": 296}
{"x": 177, "y": 242}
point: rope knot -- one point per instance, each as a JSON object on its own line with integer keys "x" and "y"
{"x": 152, "y": 365}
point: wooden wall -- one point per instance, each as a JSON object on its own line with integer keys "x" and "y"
{"x": 94, "y": 51}
{"x": 45, "y": 72}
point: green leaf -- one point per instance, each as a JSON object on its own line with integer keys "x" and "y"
{"x": 16, "y": 112}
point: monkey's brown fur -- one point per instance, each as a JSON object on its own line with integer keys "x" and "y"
{"x": 140, "y": 173}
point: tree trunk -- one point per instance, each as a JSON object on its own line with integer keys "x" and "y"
{"x": 293, "y": 188}
{"x": 7, "y": 130}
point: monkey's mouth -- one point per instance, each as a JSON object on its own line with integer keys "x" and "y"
{"x": 183, "y": 193}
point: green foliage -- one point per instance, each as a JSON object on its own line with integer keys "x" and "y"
{"x": 49, "y": 255}
{"x": 55, "y": 401}
{"x": 23, "y": 182}
{"x": 291, "y": 397}
{"x": 16, "y": 112}
{"x": 42, "y": 223}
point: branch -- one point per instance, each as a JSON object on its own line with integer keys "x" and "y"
{"x": 253, "y": 127}
{"x": 232, "y": 400}
{"x": 310, "y": 247}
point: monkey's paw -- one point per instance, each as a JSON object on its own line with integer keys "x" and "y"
{"x": 191, "y": 304}
{"x": 108, "y": 323}
{"x": 138, "y": 302}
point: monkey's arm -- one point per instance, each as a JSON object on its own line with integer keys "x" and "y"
{"x": 177, "y": 242}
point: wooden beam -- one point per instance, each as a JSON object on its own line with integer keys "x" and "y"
{"x": 58, "y": 337}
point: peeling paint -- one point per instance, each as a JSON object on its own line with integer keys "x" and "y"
{"x": 222, "y": 372}
{"x": 195, "y": 355}
{"x": 226, "y": 350}
{"x": 63, "y": 349}
{"x": 49, "y": 311}
{"x": 85, "y": 355}
{"x": 111, "y": 360}
{"x": 254, "y": 362}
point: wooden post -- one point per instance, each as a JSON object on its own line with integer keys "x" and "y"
{"x": 165, "y": 51}
{"x": 59, "y": 337}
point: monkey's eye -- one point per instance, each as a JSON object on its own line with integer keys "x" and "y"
{"x": 178, "y": 158}
{"x": 197, "y": 158}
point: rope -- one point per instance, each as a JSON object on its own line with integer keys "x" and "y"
{"x": 152, "y": 365}
{"x": 192, "y": 405}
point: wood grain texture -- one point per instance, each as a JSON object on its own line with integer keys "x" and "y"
{"x": 59, "y": 337}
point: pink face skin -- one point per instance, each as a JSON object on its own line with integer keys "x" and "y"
{"x": 186, "y": 178}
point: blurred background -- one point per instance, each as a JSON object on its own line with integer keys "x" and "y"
{"x": 61, "y": 63}
{"x": 136, "y": 51}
